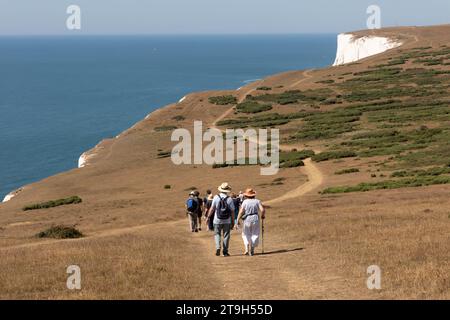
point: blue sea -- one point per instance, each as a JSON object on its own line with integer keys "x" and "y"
{"x": 59, "y": 96}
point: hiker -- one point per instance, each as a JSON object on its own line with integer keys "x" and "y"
{"x": 208, "y": 193}
{"x": 199, "y": 209}
{"x": 241, "y": 196}
{"x": 207, "y": 203}
{"x": 237, "y": 205}
{"x": 222, "y": 214}
{"x": 249, "y": 213}
{"x": 192, "y": 206}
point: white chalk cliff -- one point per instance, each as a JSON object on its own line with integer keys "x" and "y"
{"x": 12, "y": 194}
{"x": 351, "y": 48}
{"x": 84, "y": 158}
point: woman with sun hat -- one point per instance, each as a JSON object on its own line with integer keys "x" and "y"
{"x": 250, "y": 212}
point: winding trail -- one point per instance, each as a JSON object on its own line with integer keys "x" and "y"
{"x": 315, "y": 176}
{"x": 315, "y": 180}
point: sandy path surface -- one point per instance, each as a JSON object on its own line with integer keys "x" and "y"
{"x": 315, "y": 179}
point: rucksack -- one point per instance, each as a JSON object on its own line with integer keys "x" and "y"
{"x": 223, "y": 210}
{"x": 192, "y": 205}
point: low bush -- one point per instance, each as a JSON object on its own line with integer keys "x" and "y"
{"x": 165, "y": 128}
{"x": 223, "y": 100}
{"x": 292, "y": 164}
{"x": 390, "y": 184}
{"x": 347, "y": 171}
{"x": 330, "y": 155}
{"x": 178, "y": 118}
{"x": 252, "y": 107}
{"x": 53, "y": 203}
{"x": 60, "y": 232}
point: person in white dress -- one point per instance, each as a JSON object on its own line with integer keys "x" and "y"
{"x": 252, "y": 210}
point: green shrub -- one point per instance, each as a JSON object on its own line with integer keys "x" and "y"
{"x": 178, "y": 118}
{"x": 294, "y": 96}
{"x": 246, "y": 162}
{"x": 263, "y": 121}
{"x": 252, "y": 107}
{"x": 167, "y": 186}
{"x": 328, "y": 81}
{"x": 264, "y": 88}
{"x": 329, "y": 155}
{"x": 60, "y": 232}
{"x": 223, "y": 100}
{"x": 53, "y": 203}
{"x": 390, "y": 184}
{"x": 346, "y": 171}
{"x": 421, "y": 173}
{"x": 165, "y": 128}
{"x": 292, "y": 164}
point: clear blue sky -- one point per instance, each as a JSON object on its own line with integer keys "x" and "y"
{"x": 214, "y": 16}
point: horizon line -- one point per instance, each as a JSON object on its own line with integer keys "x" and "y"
{"x": 164, "y": 34}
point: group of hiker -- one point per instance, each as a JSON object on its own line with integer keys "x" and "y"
{"x": 227, "y": 211}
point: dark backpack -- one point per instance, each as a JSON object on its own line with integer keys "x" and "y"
{"x": 192, "y": 205}
{"x": 223, "y": 210}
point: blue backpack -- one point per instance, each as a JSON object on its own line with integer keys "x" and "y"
{"x": 192, "y": 205}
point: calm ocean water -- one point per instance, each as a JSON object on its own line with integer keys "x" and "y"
{"x": 59, "y": 96}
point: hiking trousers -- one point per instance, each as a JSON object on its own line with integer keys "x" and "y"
{"x": 193, "y": 221}
{"x": 225, "y": 230}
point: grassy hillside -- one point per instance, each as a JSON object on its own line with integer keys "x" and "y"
{"x": 397, "y": 108}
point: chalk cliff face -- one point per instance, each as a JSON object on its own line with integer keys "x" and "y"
{"x": 351, "y": 49}
{"x": 8, "y": 197}
{"x": 12, "y": 194}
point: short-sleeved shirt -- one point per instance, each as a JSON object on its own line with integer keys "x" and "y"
{"x": 251, "y": 208}
{"x": 215, "y": 204}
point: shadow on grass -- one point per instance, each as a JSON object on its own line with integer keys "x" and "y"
{"x": 270, "y": 252}
{"x": 278, "y": 251}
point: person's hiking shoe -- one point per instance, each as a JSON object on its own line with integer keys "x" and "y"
{"x": 218, "y": 252}
{"x": 252, "y": 252}
{"x": 199, "y": 229}
{"x": 246, "y": 253}
{"x": 226, "y": 254}
{"x": 196, "y": 230}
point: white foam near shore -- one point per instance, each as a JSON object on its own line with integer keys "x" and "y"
{"x": 182, "y": 99}
{"x": 351, "y": 48}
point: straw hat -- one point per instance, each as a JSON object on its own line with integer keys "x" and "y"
{"x": 249, "y": 192}
{"x": 224, "y": 187}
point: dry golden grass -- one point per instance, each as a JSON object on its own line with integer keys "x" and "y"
{"x": 153, "y": 263}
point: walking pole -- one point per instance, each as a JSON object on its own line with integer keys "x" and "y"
{"x": 262, "y": 236}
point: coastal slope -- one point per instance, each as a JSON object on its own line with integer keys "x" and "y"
{"x": 376, "y": 133}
